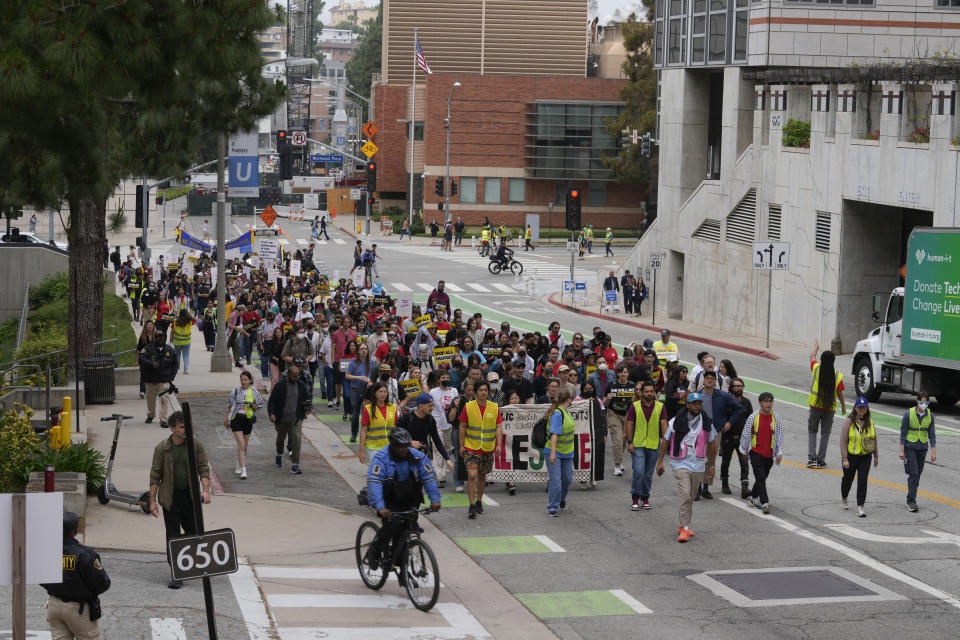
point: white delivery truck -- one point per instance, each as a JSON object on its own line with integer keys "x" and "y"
{"x": 917, "y": 345}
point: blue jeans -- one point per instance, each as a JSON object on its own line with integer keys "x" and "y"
{"x": 913, "y": 466}
{"x": 356, "y": 403}
{"x": 455, "y": 451}
{"x": 561, "y": 475}
{"x": 246, "y": 347}
{"x": 264, "y": 360}
{"x": 644, "y": 462}
{"x": 331, "y": 383}
{"x": 183, "y": 355}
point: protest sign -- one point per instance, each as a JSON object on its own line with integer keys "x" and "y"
{"x": 411, "y": 387}
{"x": 404, "y": 306}
{"x": 443, "y": 354}
{"x": 423, "y": 321}
{"x": 294, "y": 267}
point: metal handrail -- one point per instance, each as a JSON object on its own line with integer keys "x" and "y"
{"x": 22, "y": 327}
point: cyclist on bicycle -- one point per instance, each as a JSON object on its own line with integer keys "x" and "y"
{"x": 396, "y": 479}
{"x": 503, "y": 256}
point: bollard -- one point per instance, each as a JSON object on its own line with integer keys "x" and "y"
{"x": 54, "y": 437}
{"x": 473, "y": 242}
{"x": 67, "y": 407}
{"x": 49, "y": 475}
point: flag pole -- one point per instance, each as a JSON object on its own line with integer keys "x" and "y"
{"x": 412, "y": 130}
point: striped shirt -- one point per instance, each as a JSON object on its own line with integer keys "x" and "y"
{"x": 747, "y": 434}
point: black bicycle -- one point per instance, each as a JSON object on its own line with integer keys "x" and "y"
{"x": 411, "y": 557}
{"x": 496, "y": 265}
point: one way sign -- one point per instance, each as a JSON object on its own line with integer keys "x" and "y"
{"x": 771, "y": 256}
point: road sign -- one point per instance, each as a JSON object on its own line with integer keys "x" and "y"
{"x": 354, "y": 194}
{"x": 656, "y": 259}
{"x": 633, "y": 136}
{"x": 268, "y": 216}
{"x": 771, "y": 256}
{"x": 573, "y": 246}
{"x": 568, "y": 285}
{"x": 213, "y": 553}
{"x": 299, "y": 138}
{"x": 243, "y": 180}
{"x": 369, "y": 129}
{"x": 316, "y": 157}
{"x": 369, "y": 148}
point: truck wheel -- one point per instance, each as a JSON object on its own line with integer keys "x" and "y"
{"x": 946, "y": 400}
{"x": 864, "y": 382}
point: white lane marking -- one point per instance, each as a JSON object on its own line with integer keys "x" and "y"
{"x": 424, "y": 286}
{"x": 853, "y": 554}
{"x": 254, "y": 610}
{"x": 284, "y": 241}
{"x": 339, "y": 241}
{"x": 707, "y": 580}
{"x": 31, "y": 634}
{"x": 461, "y": 621}
{"x": 550, "y": 544}
{"x": 321, "y": 242}
{"x": 453, "y": 287}
{"x": 490, "y": 502}
{"x": 400, "y": 286}
{"x": 630, "y": 601}
{"x": 503, "y": 287}
{"x": 237, "y": 229}
{"x": 478, "y": 287}
{"x": 167, "y": 629}
{"x": 328, "y": 600}
{"x": 301, "y": 241}
{"x": 939, "y": 537}
{"x": 308, "y": 573}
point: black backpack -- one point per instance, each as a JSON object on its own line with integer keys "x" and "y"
{"x": 539, "y": 436}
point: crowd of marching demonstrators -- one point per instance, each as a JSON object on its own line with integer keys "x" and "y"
{"x": 444, "y": 375}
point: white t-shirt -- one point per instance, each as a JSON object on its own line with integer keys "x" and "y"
{"x": 301, "y": 315}
{"x": 442, "y": 399}
{"x": 326, "y": 351}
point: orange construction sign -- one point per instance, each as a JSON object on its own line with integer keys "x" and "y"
{"x": 369, "y": 129}
{"x": 268, "y": 216}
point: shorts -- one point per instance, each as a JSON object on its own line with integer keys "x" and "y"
{"x": 241, "y": 423}
{"x": 482, "y": 461}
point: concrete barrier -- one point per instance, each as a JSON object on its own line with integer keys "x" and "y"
{"x": 72, "y": 484}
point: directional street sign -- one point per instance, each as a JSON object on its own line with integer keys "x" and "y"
{"x": 369, "y": 130}
{"x": 299, "y": 138}
{"x": 369, "y": 148}
{"x": 316, "y": 157}
{"x": 771, "y": 256}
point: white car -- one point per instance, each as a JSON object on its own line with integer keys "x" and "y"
{"x": 30, "y": 238}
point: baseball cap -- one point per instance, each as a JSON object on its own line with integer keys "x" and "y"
{"x": 424, "y": 398}
{"x": 861, "y": 402}
{"x": 664, "y": 332}
{"x": 493, "y": 377}
{"x": 694, "y": 397}
{"x": 563, "y": 367}
{"x": 648, "y": 343}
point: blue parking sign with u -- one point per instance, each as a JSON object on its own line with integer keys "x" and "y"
{"x": 243, "y": 171}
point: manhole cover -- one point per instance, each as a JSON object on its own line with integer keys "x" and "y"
{"x": 791, "y": 585}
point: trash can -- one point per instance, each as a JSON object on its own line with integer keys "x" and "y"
{"x": 98, "y": 379}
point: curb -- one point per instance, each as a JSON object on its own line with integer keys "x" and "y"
{"x": 686, "y": 336}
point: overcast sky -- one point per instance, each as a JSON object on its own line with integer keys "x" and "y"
{"x": 606, "y": 8}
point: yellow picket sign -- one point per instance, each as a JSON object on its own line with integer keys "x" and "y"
{"x": 443, "y": 354}
{"x": 424, "y": 321}
{"x": 411, "y": 387}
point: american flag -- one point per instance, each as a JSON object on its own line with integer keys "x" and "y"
{"x": 421, "y": 61}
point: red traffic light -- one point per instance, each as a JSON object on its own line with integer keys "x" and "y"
{"x": 371, "y": 166}
{"x": 574, "y": 194}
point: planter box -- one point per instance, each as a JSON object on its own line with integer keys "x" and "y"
{"x": 71, "y": 483}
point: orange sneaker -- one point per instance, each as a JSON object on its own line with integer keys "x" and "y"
{"x": 683, "y": 536}
{"x": 689, "y": 531}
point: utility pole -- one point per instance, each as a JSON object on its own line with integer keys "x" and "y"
{"x": 448, "y": 217}
{"x": 220, "y": 360}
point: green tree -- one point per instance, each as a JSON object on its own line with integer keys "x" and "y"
{"x": 95, "y": 92}
{"x": 640, "y": 100}
{"x": 367, "y": 56}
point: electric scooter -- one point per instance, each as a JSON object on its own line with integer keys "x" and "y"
{"x": 107, "y": 490}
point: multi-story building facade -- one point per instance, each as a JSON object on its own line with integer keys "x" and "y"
{"x": 527, "y": 122}
{"x": 337, "y": 45}
{"x": 740, "y": 81}
{"x": 355, "y": 12}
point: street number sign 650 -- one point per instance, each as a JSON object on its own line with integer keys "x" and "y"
{"x": 212, "y": 554}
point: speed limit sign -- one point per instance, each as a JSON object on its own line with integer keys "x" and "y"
{"x": 299, "y": 138}
{"x": 213, "y": 553}
{"x": 655, "y": 260}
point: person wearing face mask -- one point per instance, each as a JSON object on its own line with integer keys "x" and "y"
{"x": 496, "y": 395}
{"x": 300, "y": 347}
{"x": 287, "y": 406}
{"x": 916, "y": 433}
{"x": 158, "y": 368}
{"x": 602, "y": 378}
{"x": 443, "y": 396}
{"x": 518, "y": 383}
{"x": 395, "y": 394}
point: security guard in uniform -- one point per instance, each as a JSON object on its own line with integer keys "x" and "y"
{"x": 397, "y": 476}
{"x": 73, "y": 609}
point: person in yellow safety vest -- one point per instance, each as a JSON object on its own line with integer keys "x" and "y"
{"x": 501, "y": 234}
{"x": 858, "y": 444}
{"x": 763, "y": 442}
{"x": 916, "y": 432}
{"x": 182, "y": 333}
{"x": 136, "y": 284}
{"x": 826, "y": 392}
{"x": 485, "y": 236}
{"x": 643, "y": 426}
{"x": 608, "y": 241}
{"x": 377, "y": 420}
{"x": 528, "y": 239}
{"x": 588, "y": 232}
{"x": 666, "y": 351}
{"x": 559, "y": 452}
{"x": 582, "y": 240}
{"x": 481, "y": 434}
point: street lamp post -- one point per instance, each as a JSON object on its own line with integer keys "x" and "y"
{"x": 447, "y": 191}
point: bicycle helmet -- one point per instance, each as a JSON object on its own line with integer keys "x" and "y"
{"x": 399, "y": 437}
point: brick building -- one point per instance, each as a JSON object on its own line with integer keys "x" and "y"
{"x": 526, "y": 123}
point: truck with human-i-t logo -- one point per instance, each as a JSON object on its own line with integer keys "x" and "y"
{"x": 917, "y": 345}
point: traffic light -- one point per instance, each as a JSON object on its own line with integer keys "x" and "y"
{"x": 371, "y": 177}
{"x": 438, "y": 189}
{"x": 138, "y": 216}
{"x": 371, "y": 200}
{"x": 281, "y": 139}
{"x": 645, "y": 145}
{"x": 625, "y": 140}
{"x": 453, "y": 187}
{"x": 285, "y": 151}
{"x": 573, "y": 210}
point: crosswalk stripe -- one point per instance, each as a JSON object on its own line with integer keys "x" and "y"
{"x": 321, "y": 241}
{"x": 167, "y": 629}
{"x": 503, "y": 287}
{"x": 424, "y": 286}
{"x": 340, "y": 241}
{"x": 324, "y": 601}
{"x": 399, "y": 286}
{"x": 284, "y": 241}
{"x": 478, "y": 287}
{"x": 453, "y": 287}
{"x": 301, "y": 241}
{"x": 307, "y": 573}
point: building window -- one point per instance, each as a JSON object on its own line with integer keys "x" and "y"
{"x": 857, "y": 3}
{"x": 468, "y": 190}
{"x": 417, "y": 130}
{"x": 491, "y": 190}
{"x": 949, "y": 4}
{"x": 517, "y": 191}
{"x": 569, "y": 141}
{"x": 597, "y": 194}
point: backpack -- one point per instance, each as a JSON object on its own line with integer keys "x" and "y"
{"x": 539, "y": 436}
